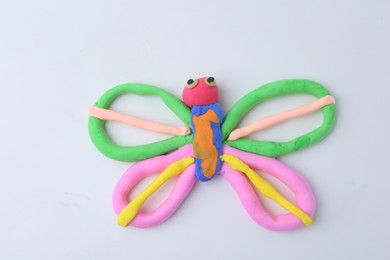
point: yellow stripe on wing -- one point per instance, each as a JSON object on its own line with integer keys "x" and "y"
{"x": 266, "y": 188}
{"x": 131, "y": 210}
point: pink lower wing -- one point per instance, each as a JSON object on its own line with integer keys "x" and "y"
{"x": 150, "y": 167}
{"x": 304, "y": 195}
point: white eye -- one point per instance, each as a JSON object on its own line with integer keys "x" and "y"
{"x": 192, "y": 83}
{"x": 210, "y": 81}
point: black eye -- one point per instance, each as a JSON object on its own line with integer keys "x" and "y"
{"x": 191, "y": 83}
{"x": 210, "y": 81}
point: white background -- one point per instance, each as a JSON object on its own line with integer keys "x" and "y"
{"x": 58, "y": 57}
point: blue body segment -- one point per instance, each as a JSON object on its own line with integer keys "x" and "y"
{"x": 217, "y": 137}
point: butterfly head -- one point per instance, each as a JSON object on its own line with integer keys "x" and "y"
{"x": 200, "y": 92}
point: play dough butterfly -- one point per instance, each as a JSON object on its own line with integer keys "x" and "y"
{"x": 209, "y": 145}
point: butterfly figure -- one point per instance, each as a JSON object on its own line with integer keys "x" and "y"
{"x": 209, "y": 145}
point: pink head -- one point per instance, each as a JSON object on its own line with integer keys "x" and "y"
{"x": 202, "y": 91}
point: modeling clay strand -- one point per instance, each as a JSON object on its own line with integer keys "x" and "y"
{"x": 130, "y": 211}
{"x": 265, "y": 188}
{"x": 181, "y": 189}
{"x": 253, "y": 205}
{"x": 106, "y": 114}
{"x": 275, "y": 119}
{"x": 103, "y": 142}
{"x": 149, "y": 167}
{"x": 273, "y": 90}
{"x": 296, "y": 183}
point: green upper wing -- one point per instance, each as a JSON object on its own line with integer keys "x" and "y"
{"x": 103, "y": 142}
{"x": 273, "y": 90}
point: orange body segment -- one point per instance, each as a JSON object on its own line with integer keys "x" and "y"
{"x": 203, "y": 145}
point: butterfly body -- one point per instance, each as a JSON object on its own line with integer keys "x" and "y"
{"x": 207, "y": 140}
